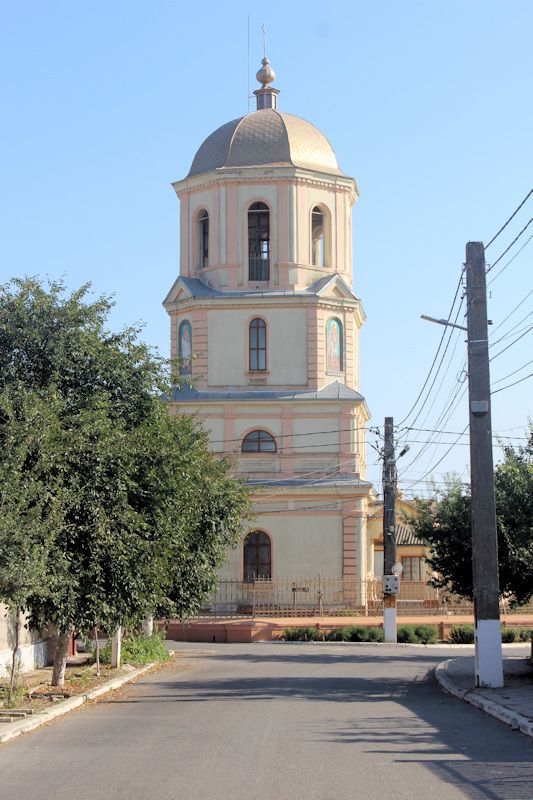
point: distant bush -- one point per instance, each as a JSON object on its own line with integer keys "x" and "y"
{"x": 355, "y": 633}
{"x": 138, "y": 650}
{"x": 304, "y": 634}
{"x": 349, "y": 633}
{"x": 515, "y": 634}
{"x": 418, "y": 634}
{"x": 462, "y": 634}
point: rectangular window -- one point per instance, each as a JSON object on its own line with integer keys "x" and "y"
{"x": 413, "y": 568}
{"x": 257, "y": 346}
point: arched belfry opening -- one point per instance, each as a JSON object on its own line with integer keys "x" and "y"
{"x": 259, "y": 242}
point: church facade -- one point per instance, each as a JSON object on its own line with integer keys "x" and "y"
{"x": 266, "y": 326}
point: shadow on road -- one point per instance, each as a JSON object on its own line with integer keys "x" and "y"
{"x": 472, "y": 752}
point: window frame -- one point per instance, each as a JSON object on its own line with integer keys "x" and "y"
{"x": 259, "y": 247}
{"x": 321, "y": 262}
{"x": 421, "y": 568}
{"x": 257, "y": 350}
{"x": 202, "y": 237}
{"x": 263, "y": 540}
{"x": 262, "y": 438}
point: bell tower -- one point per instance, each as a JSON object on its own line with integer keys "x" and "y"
{"x": 266, "y": 326}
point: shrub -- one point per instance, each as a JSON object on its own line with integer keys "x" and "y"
{"x": 356, "y": 633}
{"x": 515, "y": 634}
{"x": 304, "y": 634}
{"x": 462, "y": 634}
{"x": 374, "y": 634}
{"x": 138, "y": 650}
{"x": 418, "y": 634}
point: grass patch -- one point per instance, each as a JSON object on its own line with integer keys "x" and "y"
{"x": 138, "y": 650}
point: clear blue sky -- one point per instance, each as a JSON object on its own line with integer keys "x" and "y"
{"x": 428, "y": 105}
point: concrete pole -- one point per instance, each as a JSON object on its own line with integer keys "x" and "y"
{"x": 488, "y": 637}
{"x": 390, "y": 631}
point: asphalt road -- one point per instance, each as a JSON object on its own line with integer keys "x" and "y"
{"x": 276, "y": 722}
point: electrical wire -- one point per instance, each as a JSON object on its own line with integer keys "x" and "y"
{"x": 510, "y": 261}
{"x": 517, "y": 237}
{"x": 503, "y": 388}
{"x": 513, "y": 215}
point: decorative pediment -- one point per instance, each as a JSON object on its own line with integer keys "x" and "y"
{"x": 332, "y": 286}
{"x": 185, "y": 288}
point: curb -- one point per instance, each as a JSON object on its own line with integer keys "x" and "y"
{"x": 36, "y": 720}
{"x": 512, "y": 718}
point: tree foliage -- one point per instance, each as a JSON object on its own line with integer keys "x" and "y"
{"x": 134, "y": 511}
{"x": 444, "y": 526}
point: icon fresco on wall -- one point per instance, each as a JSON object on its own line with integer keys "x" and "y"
{"x": 185, "y": 347}
{"x": 334, "y": 345}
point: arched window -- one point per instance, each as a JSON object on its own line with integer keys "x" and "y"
{"x": 258, "y": 242}
{"x": 258, "y": 442}
{"x": 318, "y": 222}
{"x": 334, "y": 346}
{"x": 185, "y": 347}
{"x": 202, "y": 222}
{"x": 257, "y": 345}
{"x": 257, "y": 557}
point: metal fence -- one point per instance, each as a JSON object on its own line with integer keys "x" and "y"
{"x": 319, "y": 596}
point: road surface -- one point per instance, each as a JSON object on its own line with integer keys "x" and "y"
{"x": 276, "y": 722}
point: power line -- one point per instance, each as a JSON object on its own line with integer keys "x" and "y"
{"x": 513, "y": 215}
{"x": 524, "y": 229}
{"x": 510, "y": 260}
{"x": 514, "y": 309}
{"x": 512, "y": 384}
{"x": 439, "y": 461}
{"x": 508, "y": 376}
{"x": 493, "y": 239}
{"x": 436, "y": 354}
{"x": 512, "y": 343}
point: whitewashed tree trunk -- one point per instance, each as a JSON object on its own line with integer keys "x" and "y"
{"x": 116, "y": 644}
{"x": 97, "y": 650}
{"x": 148, "y": 626}
{"x": 15, "y": 655}
{"x": 60, "y": 658}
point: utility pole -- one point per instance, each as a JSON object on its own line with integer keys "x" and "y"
{"x": 390, "y": 580}
{"x": 488, "y": 637}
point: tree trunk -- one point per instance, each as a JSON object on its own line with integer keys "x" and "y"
{"x": 116, "y": 647}
{"x": 14, "y": 657}
{"x": 60, "y": 658}
{"x": 148, "y": 626}
{"x": 97, "y": 650}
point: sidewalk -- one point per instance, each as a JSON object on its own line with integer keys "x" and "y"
{"x": 513, "y": 704}
{"x": 10, "y": 730}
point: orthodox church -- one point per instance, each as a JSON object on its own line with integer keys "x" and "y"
{"x": 266, "y": 326}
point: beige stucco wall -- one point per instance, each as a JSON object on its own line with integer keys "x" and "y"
{"x": 287, "y": 346}
{"x": 305, "y": 547}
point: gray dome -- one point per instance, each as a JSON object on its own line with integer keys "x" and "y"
{"x": 266, "y": 137}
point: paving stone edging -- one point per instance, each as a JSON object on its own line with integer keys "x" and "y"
{"x": 512, "y": 718}
{"x": 13, "y": 729}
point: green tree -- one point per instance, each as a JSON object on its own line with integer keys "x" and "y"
{"x": 444, "y": 526}
{"x": 30, "y": 506}
{"x": 144, "y": 500}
